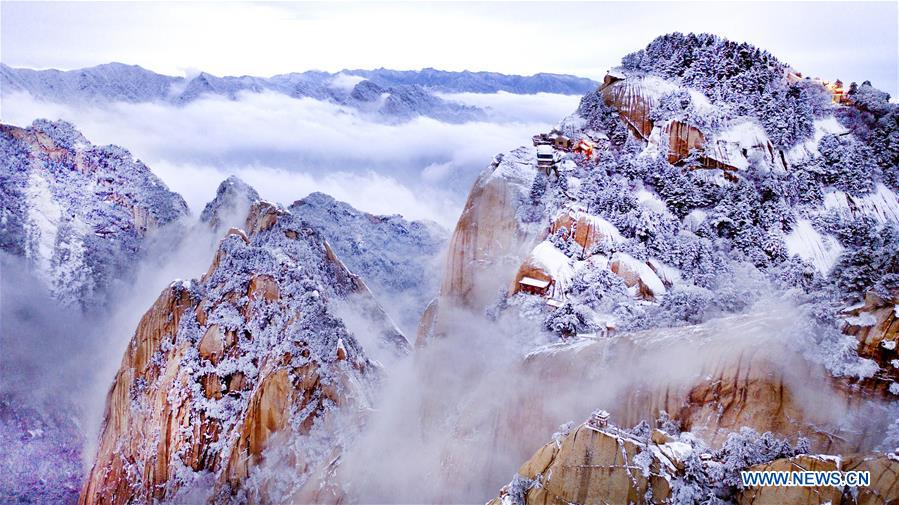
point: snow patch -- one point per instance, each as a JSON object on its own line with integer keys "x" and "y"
{"x": 649, "y": 200}
{"x": 44, "y": 215}
{"x": 821, "y": 251}
{"x": 643, "y": 271}
{"x": 694, "y": 219}
{"x": 882, "y": 204}
{"x": 863, "y": 319}
{"x": 809, "y": 149}
{"x": 554, "y": 262}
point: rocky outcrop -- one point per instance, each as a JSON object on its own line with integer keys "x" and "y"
{"x": 241, "y": 377}
{"x": 875, "y": 323}
{"x": 772, "y": 495}
{"x": 604, "y": 464}
{"x": 231, "y": 203}
{"x": 489, "y": 241}
{"x": 628, "y": 97}
{"x": 739, "y": 374}
{"x": 78, "y": 213}
{"x": 587, "y": 230}
{"x": 635, "y": 97}
{"x": 637, "y": 275}
{"x": 591, "y": 465}
{"x": 884, "y": 486}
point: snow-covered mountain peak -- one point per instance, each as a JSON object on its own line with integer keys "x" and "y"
{"x": 77, "y": 212}
{"x": 232, "y": 201}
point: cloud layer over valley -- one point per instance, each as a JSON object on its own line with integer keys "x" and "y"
{"x": 288, "y": 147}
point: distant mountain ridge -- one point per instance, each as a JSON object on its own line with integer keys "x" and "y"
{"x": 391, "y": 93}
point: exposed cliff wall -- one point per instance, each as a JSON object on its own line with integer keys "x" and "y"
{"x": 601, "y": 463}
{"x": 489, "y": 239}
{"x": 242, "y": 385}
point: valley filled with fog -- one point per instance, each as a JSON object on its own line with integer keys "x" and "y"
{"x": 289, "y": 147}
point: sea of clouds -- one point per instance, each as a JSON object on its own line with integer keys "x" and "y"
{"x": 289, "y": 147}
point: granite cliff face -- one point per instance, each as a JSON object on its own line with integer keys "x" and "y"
{"x": 601, "y": 463}
{"x": 652, "y": 260}
{"x": 242, "y": 385}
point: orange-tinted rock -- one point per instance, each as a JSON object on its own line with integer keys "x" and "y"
{"x": 212, "y": 386}
{"x": 239, "y": 233}
{"x": 591, "y": 466}
{"x": 635, "y": 273}
{"x": 876, "y": 326}
{"x": 777, "y": 495}
{"x": 588, "y": 229}
{"x": 487, "y": 243}
{"x": 263, "y": 287}
{"x": 884, "y": 487}
{"x": 227, "y": 398}
{"x": 632, "y": 104}
{"x": 211, "y": 345}
{"x": 729, "y": 384}
{"x": 428, "y": 325}
{"x": 682, "y": 139}
{"x": 262, "y": 216}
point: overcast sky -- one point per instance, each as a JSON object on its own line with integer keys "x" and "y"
{"x": 852, "y": 41}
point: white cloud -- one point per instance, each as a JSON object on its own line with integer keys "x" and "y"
{"x": 288, "y": 147}
{"x": 344, "y": 81}
{"x": 503, "y": 106}
{"x": 522, "y": 38}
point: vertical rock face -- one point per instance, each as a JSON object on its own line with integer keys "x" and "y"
{"x": 593, "y": 463}
{"x": 78, "y": 212}
{"x": 875, "y": 323}
{"x": 732, "y": 376}
{"x": 242, "y": 385}
{"x": 489, "y": 240}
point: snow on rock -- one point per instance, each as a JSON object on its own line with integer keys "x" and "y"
{"x": 651, "y": 201}
{"x": 44, "y": 215}
{"x": 741, "y": 143}
{"x": 694, "y": 219}
{"x": 551, "y": 260}
{"x": 394, "y": 256}
{"x": 862, "y": 319}
{"x": 821, "y": 250}
{"x": 669, "y": 275}
{"x": 231, "y": 203}
{"x": 636, "y": 273}
{"x": 881, "y": 204}
{"x": 258, "y": 383}
{"x": 809, "y": 148}
{"x": 78, "y": 213}
{"x": 588, "y": 229}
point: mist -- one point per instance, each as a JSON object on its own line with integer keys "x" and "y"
{"x": 289, "y": 147}
{"x": 457, "y": 420}
{"x": 60, "y": 360}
